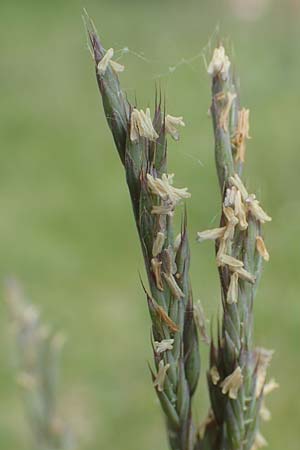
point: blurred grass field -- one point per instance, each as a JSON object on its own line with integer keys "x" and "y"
{"x": 66, "y": 229}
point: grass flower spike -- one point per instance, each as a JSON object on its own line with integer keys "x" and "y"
{"x": 141, "y": 142}
{"x": 38, "y": 351}
{"x": 237, "y": 369}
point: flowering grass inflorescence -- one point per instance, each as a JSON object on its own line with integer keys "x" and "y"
{"x": 237, "y": 374}
{"x": 142, "y": 146}
{"x": 38, "y": 352}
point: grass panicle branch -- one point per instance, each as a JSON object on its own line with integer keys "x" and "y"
{"x": 237, "y": 373}
{"x": 142, "y": 146}
{"x": 38, "y": 352}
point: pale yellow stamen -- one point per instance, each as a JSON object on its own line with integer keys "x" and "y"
{"x": 259, "y": 442}
{"x": 215, "y": 233}
{"x": 174, "y": 288}
{"x": 202, "y": 427}
{"x": 232, "y": 262}
{"x": 117, "y": 67}
{"x": 141, "y": 125}
{"x": 161, "y": 376}
{"x": 102, "y": 65}
{"x": 229, "y": 199}
{"x": 232, "y": 222}
{"x": 164, "y": 189}
{"x": 237, "y": 182}
{"x": 165, "y": 318}
{"x": 158, "y": 244}
{"x": 156, "y": 269}
{"x": 256, "y": 209}
{"x": 240, "y": 211}
{"x": 230, "y": 228}
{"x": 233, "y": 289}
{"x": 200, "y": 321}
{"x": 242, "y": 133}
{"x": 221, "y": 250}
{"x": 215, "y": 376}
{"x": 250, "y": 200}
{"x": 167, "y": 210}
{"x": 229, "y": 213}
{"x": 245, "y": 275}
{"x": 177, "y": 242}
{"x": 261, "y": 248}
{"x": 171, "y": 124}
{"x": 164, "y": 345}
{"x": 107, "y": 59}
{"x": 169, "y": 261}
{"x": 225, "y": 112}
{"x": 270, "y": 387}
{"x": 232, "y": 383}
{"x": 219, "y": 64}
{"x": 264, "y": 412}
{"x": 264, "y": 357}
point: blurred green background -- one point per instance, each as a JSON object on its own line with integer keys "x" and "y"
{"x": 66, "y": 228}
